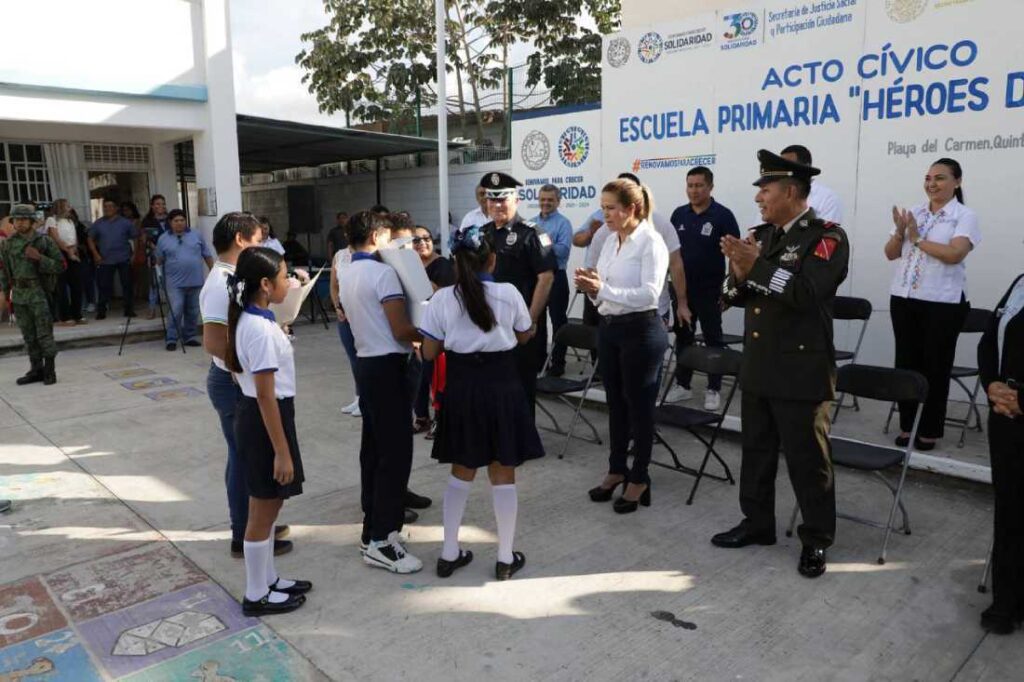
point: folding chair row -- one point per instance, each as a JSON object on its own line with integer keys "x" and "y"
{"x": 579, "y": 337}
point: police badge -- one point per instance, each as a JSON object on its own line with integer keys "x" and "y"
{"x": 511, "y": 239}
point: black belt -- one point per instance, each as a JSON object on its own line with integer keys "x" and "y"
{"x": 629, "y": 317}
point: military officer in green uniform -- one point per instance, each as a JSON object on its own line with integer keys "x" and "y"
{"x": 31, "y": 263}
{"x": 525, "y": 259}
{"x": 785, "y": 274}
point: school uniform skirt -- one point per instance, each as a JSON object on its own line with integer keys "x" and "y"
{"x": 257, "y": 452}
{"x": 484, "y": 414}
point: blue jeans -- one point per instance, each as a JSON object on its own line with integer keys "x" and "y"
{"x": 184, "y": 304}
{"x": 349, "y": 342}
{"x": 224, "y": 394}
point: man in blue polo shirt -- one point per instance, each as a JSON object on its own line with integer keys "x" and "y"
{"x": 182, "y": 254}
{"x": 701, "y": 224}
{"x": 110, "y": 242}
{"x": 559, "y": 229}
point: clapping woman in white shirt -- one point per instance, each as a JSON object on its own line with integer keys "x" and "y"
{"x": 928, "y": 295}
{"x": 632, "y": 341}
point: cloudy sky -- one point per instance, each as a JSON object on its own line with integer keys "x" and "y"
{"x": 265, "y": 37}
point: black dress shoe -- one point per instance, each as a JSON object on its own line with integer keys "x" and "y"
{"x": 998, "y": 620}
{"x": 265, "y": 607}
{"x": 410, "y": 516}
{"x": 812, "y": 562}
{"x": 446, "y": 568}
{"x": 414, "y": 501}
{"x": 923, "y": 446}
{"x": 506, "y": 571}
{"x": 280, "y": 547}
{"x": 171, "y": 347}
{"x": 902, "y": 441}
{"x": 281, "y": 532}
{"x": 624, "y": 506}
{"x": 300, "y": 587}
{"x": 743, "y": 535}
{"x": 193, "y": 343}
{"x": 602, "y": 494}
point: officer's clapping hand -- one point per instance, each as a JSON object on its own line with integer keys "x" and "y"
{"x": 32, "y": 253}
{"x": 742, "y": 254}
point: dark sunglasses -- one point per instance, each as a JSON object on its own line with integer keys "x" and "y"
{"x": 420, "y": 240}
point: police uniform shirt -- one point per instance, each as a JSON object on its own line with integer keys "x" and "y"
{"x": 633, "y": 274}
{"x": 523, "y": 252}
{"x": 920, "y": 276}
{"x": 263, "y": 347}
{"x": 367, "y": 285}
{"x": 213, "y": 299}
{"x": 446, "y": 320}
{"x": 700, "y": 236}
{"x": 826, "y": 203}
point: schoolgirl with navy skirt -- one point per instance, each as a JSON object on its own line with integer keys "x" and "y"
{"x": 261, "y": 357}
{"x": 485, "y": 419}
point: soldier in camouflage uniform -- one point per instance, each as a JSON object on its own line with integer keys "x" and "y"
{"x": 31, "y": 263}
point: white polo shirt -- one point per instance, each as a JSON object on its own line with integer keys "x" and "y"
{"x": 263, "y": 347}
{"x": 826, "y": 203}
{"x": 367, "y": 285}
{"x": 633, "y": 276}
{"x": 446, "y": 320}
{"x": 919, "y": 276}
{"x": 213, "y": 299}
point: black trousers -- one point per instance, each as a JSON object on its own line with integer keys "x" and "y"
{"x": 630, "y": 356}
{"x": 705, "y": 305}
{"x": 591, "y": 318}
{"x": 385, "y": 454}
{"x": 69, "y": 291}
{"x": 105, "y": 283}
{"x": 1006, "y": 448}
{"x": 926, "y": 334}
{"x": 526, "y": 361}
{"x": 558, "y": 309}
{"x": 800, "y": 428}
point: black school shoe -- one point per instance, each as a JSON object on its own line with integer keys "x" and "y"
{"x": 506, "y": 571}
{"x": 280, "y": 547}
{"x": 265, "y": 607}
{"x": 414, "y": 501}
{"x": 410, "y": 516}
{"x": 300, "y": 587}
{"x": 812, "y": 562}
{"x": 446, "y": 568}
{"x": 999, "y": 621}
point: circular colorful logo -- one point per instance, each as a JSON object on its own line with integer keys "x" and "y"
{"x": 618, "y": 52}
{"x": 902, "y": 11}
{"x": 574, "y": 146}
{"x": 649, "y": 47}
{"x": 536, "y": 150}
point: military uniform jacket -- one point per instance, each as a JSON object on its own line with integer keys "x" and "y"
{"x": 523, "y": 252}
{"x": 788, "y": 350}
{"x": 23, "y": 278}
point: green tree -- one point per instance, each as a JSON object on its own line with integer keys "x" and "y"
{"x": 375, "y": 59}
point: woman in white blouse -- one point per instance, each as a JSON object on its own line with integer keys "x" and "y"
{"x": 625, "y": 287}
{"x": 928, "y": 296}
{"x": 61, "y": 229}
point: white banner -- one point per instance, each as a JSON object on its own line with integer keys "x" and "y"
{"x": 876, "y": 90}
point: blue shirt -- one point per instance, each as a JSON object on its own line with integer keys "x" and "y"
{"x": 183, "y": 258}
{"x": 700, "y": 235}
{"x": 113, "y": 238}
{"x": 559, "y": 229}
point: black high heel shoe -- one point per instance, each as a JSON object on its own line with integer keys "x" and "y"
{"x": 602, "y": 494}
{"x": 624, "y": 506}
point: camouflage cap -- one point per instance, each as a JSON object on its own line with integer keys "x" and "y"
{"x": 23, "y": 211}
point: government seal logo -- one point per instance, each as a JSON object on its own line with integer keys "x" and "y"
{"x": 904, "y": 11}
{"x": 574, "y": 146}
{"x": 536, "y": 150}
{"x": 649, "y": 48}
{"x": 618, "y": 52}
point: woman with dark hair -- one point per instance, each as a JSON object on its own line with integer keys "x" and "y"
{"x": 928, "y": 295}
{"x": 1001, "y": 370}
{"x": 626, "y": 286}
{"x": 261, "y": 357}
{"x": 270, "y": 239}
{"x": 154, "y": 224}
{"x": 485, "y": 420}
{"x": 441, "y": 274}
{"x": 62, "y": 230}
{"x": 87, "y": 269}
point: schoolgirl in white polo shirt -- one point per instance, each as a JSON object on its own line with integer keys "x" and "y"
{"x": 485, "y": 419}
{"x": 374, "y": 303}
{"x": 261, "y": 356}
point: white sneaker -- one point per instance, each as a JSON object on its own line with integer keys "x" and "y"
{"x": 356, "y": 412}
{"x": 363, "y": 546}
{"x": 712, "y": 401}
{"x": 678, "y": 394}
{"x": 351, "y": 407}
{"x": 392, "y": 556}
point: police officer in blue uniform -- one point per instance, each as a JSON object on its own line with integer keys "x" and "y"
{"x": 785, "y": 274}
{"x": 525, "y": 259}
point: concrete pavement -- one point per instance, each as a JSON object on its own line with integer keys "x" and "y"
{"x": 115, "y": 559}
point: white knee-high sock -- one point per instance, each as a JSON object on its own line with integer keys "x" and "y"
{"x": 506, "y": 506}
{"x": 256, "y": 555}
{"x": 272, "y": 576}
{"x": 455, "y": 496}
